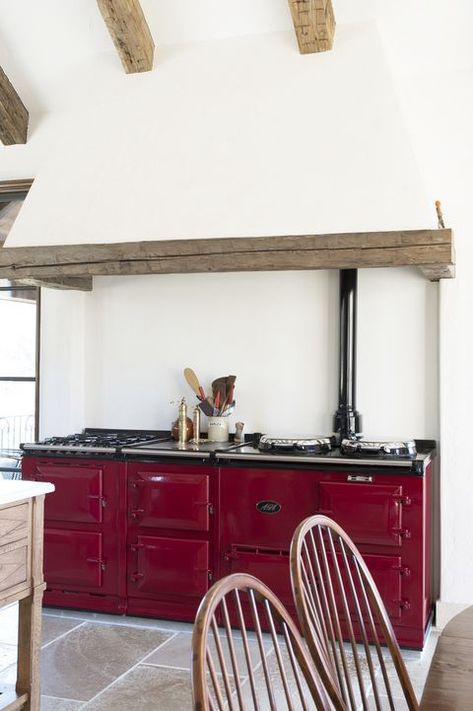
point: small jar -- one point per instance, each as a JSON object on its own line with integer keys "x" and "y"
{"x": 218, "y": 429}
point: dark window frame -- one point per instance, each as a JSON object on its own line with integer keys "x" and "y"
{"x": 18, "y": 190}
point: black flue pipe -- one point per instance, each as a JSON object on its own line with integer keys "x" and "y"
{"x": 347, "y": 421}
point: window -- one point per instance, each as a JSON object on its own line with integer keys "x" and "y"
{"x": 18, "y": 364}
{"x": 19, "y": 344}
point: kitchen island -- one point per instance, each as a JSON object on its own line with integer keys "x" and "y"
{"x": 21, "y": 580}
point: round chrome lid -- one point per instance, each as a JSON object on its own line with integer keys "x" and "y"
{"x": 316, "y": 445}
{"x": 391, "y": 448}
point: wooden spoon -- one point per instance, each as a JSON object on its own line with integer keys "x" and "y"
{"x": 193, "y": 381}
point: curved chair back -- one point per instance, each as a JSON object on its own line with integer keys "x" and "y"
{"x": 343, "y": 619}
{"x": 235, "y": 669}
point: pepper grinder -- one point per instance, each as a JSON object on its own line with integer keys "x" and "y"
{"x": 196, "y": 424}
{"x": 182, "y": 422}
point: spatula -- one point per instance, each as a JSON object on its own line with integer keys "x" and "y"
{"x": 219, "y": 385}
{"x": 193, "y": 381}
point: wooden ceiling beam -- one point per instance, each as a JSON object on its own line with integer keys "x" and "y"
{"x": 431, "y": 250}
{"x": 13, "y": 114}
{"x": 130, "y": 33}
{"x": 314, "y": 22}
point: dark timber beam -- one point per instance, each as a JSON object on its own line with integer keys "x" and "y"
{"x": 130, "y": 33}
{"x": 13, "y": 114}
{"x": 314, "y": 23}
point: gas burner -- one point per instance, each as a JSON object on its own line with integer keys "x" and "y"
{"x": 378, "y": 448}
{"x": 319, "y": 445}
{"x": 106, "y": 442}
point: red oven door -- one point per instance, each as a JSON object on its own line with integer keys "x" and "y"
{"x": 73, "y": 559}
{"x": 167, "y": 499}
{"x": 369, "y": 513}
{"x": 79, "y": 495}
{"x": 168, "y": 566}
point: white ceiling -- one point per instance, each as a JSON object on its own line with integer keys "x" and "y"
{"x": 42, "y": 43}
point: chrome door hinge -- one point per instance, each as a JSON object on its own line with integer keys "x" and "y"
{"x": 402, "y": 532}
{"x": 97, "y": 561}
{"x": 403, "y": 570}
{"x": 101, "y": 499}
{"x": 403, "y": 500}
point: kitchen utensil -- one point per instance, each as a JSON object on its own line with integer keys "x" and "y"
{"x": 230, "y": 387}
{"x": 207, "y": 406}
{"x": 217, "y": 402}
{"x": 220, "y": 385}
{"x": 228, "y": 409}
{"x": 193, "y": 381}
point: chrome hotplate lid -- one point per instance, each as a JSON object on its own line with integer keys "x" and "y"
{"x": 390, "y": 448}
{"x": 317, "y": 445}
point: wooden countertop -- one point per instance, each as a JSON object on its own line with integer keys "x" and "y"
{"x": 449, "y": 685}
{"x": 12, "y": 490}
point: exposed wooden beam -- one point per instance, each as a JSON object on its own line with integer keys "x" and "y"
{"x": 130, "y": 33}
{"x": 14, "y": 189}
{"x": 8, "y": 214}
{"x": 314, "y": 22}
{"x": 435, "y": 272}
{"x": 78, "y": 284}
{"x": 332, "y": 251}
{"x": 13, "y": 114}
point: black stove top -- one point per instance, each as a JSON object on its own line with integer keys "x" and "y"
{"x": 408, "y": 454}
{"x": 101, "y": 441}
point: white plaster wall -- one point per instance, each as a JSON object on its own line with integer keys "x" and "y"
{"x": 277, "y": 332}
{"x": 240, "y": 137}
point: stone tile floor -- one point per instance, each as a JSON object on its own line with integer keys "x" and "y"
{"x": 99, "y": 662}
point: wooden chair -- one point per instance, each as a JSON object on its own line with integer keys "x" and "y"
{"x": 343, "y": 619}
{"x": 236, "y": 669}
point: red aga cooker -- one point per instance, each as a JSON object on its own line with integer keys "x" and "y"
{"x": 149, "y": 537}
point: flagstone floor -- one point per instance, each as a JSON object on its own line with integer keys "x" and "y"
{"x": 98, "y": 662}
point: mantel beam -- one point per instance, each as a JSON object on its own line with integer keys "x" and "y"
{"x": 130, "y": 33}
{"x": 13, "y": 114}
{"x": 431, "y": 250}
{"x": 314, "y": 23}
{"x": 72, "y": 283}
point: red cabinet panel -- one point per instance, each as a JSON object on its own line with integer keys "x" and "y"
{"x": 73, "y": 558}
{"x": 387, "y": 574}
{"x": 369, "y": 513}
{"x": 78, "y": 496}
{"x": 241, "y": 492}
{"x": 164, "y": 499}
{"x": 272, "y": 567}
{"x": 168, "y": 566}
